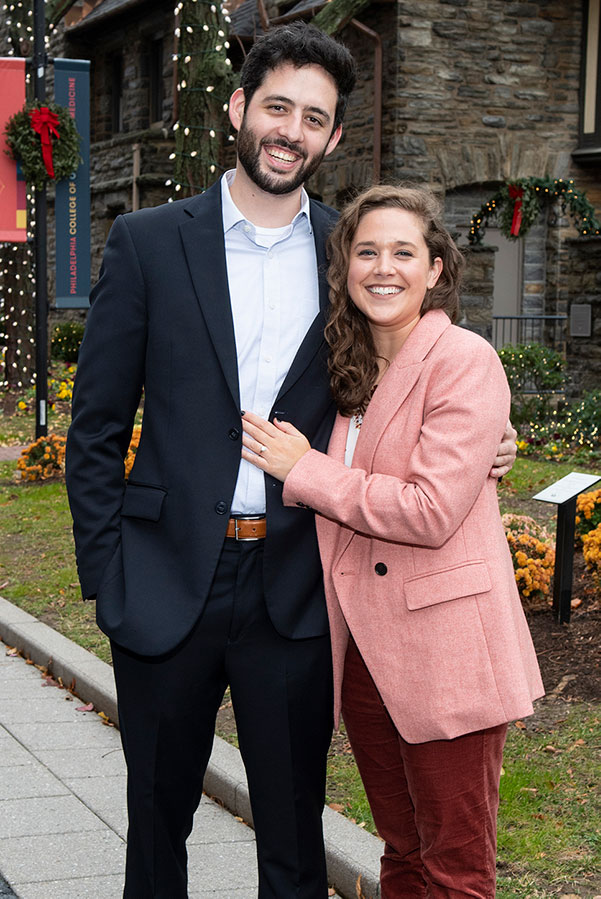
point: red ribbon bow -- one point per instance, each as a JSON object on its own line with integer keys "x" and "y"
{"x": 516, "y": 193}
{"x": 43, "y": 122}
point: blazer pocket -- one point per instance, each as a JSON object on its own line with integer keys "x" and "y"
{"x": 143, "y": 501}
{"x": 467, "y": 579}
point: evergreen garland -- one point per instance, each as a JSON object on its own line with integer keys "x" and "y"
{"x": 25, "y": 145}
{"x": 536, "y": 193}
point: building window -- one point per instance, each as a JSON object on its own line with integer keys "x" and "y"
{"x": 117, "y": 94}
{"x": 156, "y": 84}
{"x": 589, "y": 149}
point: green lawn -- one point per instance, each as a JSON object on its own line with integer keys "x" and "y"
{"x": 550, "y": 815}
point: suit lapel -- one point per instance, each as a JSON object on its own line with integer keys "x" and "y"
{"x": 204, "y": 248}
{"x": 322, "y": 223}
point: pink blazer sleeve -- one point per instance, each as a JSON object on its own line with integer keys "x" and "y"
{"x": 464, "y": 407}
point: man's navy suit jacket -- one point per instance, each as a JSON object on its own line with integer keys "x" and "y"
{"x": 161, "y": 321}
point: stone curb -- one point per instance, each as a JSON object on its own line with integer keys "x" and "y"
{"x": 353, "y": 855}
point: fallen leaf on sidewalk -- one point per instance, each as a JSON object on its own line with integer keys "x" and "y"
{"x": 336, "y": 806}
{"x": 105, "y": 719}
{"x": 85, "y": 708}
{"x": 50, "y": 682}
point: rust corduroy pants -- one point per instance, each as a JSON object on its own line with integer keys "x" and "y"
{"x": 434, "y": 804}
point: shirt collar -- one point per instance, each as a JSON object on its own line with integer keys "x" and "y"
{"x": 232, "y": 215}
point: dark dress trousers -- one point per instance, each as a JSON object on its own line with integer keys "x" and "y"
{"x": 153, "y": 550}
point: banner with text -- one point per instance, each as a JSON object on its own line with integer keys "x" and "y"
{"x": 13, "y": 195}
{"x": 72, "y": 210}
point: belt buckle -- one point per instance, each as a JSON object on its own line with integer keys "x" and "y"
{"x": 246, "y": 518}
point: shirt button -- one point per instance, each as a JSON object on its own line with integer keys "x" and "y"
{"x": 221, "y": 507}
{"x": 272, "y": 305}
{"x": 247, "y": 228}
{"x": 267, "y": 358}
{"x": 233, "y": 434}
{"x": 380, "y": 568}
{"x": 270, "y": 254}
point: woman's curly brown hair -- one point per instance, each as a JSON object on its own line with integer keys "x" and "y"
{"x": 353, "y": 362}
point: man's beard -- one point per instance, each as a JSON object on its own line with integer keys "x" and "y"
{"x": 249, "y": 154}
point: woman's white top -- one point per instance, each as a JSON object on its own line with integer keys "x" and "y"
{"x": 354, "y": 427}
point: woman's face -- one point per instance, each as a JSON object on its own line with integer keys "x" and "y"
{"x": 390, "y": 271}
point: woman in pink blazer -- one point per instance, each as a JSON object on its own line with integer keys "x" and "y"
{"x": 431, "y": 651}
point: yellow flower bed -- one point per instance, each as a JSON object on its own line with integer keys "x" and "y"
{"x": 533, "y": 563}
{"x": 588, "y": 513}
{"x": 591, "y": 550}
{"x": 133, "y": 448}
{"x": 43, "y": 459}
{"x": 46, "y": 457}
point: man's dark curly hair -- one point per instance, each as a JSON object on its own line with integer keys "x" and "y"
{"x": 301, "y": 45}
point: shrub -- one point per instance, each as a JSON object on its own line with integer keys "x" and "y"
{"x": 534, "y": 373}
{"x": 533, "y": 563}
{"x": 524, "y": 524}
{"x": 583, "y": 420}
{"x": 588, "y": 513}
{"x": 591, "y": 550}
{"x": 61, "y": 389}
{"x": 43, "y": 459}
{"x": 133, "y": 448}
{"x": 66, "y": 340}
{"x": 572, "y": 428}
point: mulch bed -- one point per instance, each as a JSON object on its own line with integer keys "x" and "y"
{"x": 569, "y": 655}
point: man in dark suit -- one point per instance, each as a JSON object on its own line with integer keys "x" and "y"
{"x": 202, "y": 578}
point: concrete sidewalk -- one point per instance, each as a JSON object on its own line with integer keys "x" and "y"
{"x": 62, "y": 799}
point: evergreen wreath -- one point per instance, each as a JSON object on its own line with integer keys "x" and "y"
{"x": 26, "y": 147}
{"x": 518, "y": 203}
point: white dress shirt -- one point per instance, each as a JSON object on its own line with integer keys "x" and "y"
{"x": 272, "y": 277}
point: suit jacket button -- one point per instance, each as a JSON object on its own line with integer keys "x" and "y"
{"x": 380, "y": 568}
{"x": 233, "y": 434}
{"x": 221, "y": 507}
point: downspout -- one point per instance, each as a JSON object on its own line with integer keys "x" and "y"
{"x": 377, "y": 101}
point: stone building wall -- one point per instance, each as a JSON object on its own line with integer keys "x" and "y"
{"x": 474, "y": 92}
{"x": 583, "y": 276}
{"x": 486, "y": 91}
{"x": 350, "y": 166}
{"x": 477, "y": 290}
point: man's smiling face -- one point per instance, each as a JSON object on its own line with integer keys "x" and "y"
{"x": 286, "y": 129}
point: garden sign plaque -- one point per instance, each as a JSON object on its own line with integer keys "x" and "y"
{"x": 563, "y": 493}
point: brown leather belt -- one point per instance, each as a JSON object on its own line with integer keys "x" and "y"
{"x": 252, "y": 527}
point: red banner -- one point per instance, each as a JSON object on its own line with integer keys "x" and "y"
{"x": 13, "y": 202}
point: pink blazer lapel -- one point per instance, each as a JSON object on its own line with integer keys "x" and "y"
{"x": 397, "y": 384}
{"x": 392, "y": 392}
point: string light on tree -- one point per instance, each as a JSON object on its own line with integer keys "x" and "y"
{"x": 202, "y": 63}
{"x": 17, "y": 300}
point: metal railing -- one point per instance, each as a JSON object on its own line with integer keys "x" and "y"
{"x": 548, "y": 330}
